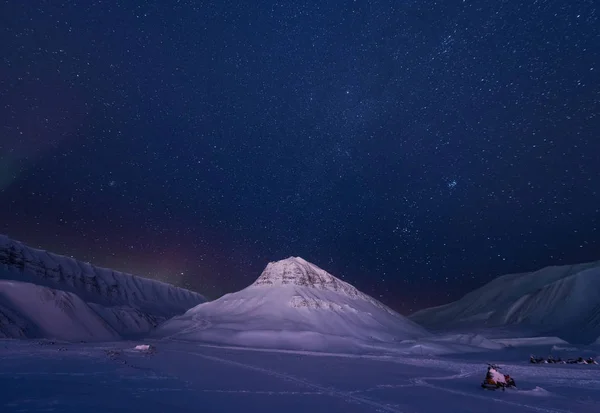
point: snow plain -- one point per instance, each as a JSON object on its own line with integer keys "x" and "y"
{"x": 41, "y": 376}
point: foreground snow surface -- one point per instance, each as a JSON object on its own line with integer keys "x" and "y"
{"x": 38, "y": 376}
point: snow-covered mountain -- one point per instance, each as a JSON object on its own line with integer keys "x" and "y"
{"x": 561, "y": 301}
{"x": 48, "y": 295}
{"x": 293, "y": 305}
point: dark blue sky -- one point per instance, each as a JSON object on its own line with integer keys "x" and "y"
{"x": 418, "y": 149}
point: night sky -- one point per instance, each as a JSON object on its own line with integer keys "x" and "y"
{"x": 416, "y": 149}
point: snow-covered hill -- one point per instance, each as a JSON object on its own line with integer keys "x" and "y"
{"x": 294, "y": 305}
{"x": 561, "y": 301}
{"x": 48, "y": 295}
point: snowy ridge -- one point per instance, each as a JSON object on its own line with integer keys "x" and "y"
{"x": 563, "y": 301}
{"x": 125, "y": 304}
{"x": 93, "y": 284}
{"x": 293, "y": 305}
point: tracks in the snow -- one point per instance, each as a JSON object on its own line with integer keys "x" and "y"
{"x": 351, "y": 396}
{"x": 324, "y": 390}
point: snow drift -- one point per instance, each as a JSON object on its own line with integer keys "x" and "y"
{"x": 562, "y": 301}
{"x": 294, "y": 305}
{"x": 52, "y": 296}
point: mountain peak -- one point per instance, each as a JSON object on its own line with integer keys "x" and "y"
{"x": 299, "y": 272}
{"x": 293, "y": 304}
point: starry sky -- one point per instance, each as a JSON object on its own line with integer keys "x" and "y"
{"x": 416, "y": 149}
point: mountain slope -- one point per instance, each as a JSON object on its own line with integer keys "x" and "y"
{"x": 34, "y": 279}
{"x": 28, "y": 310}
{"x": 293, "y": 304}
{"x": 563, "y": 301}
